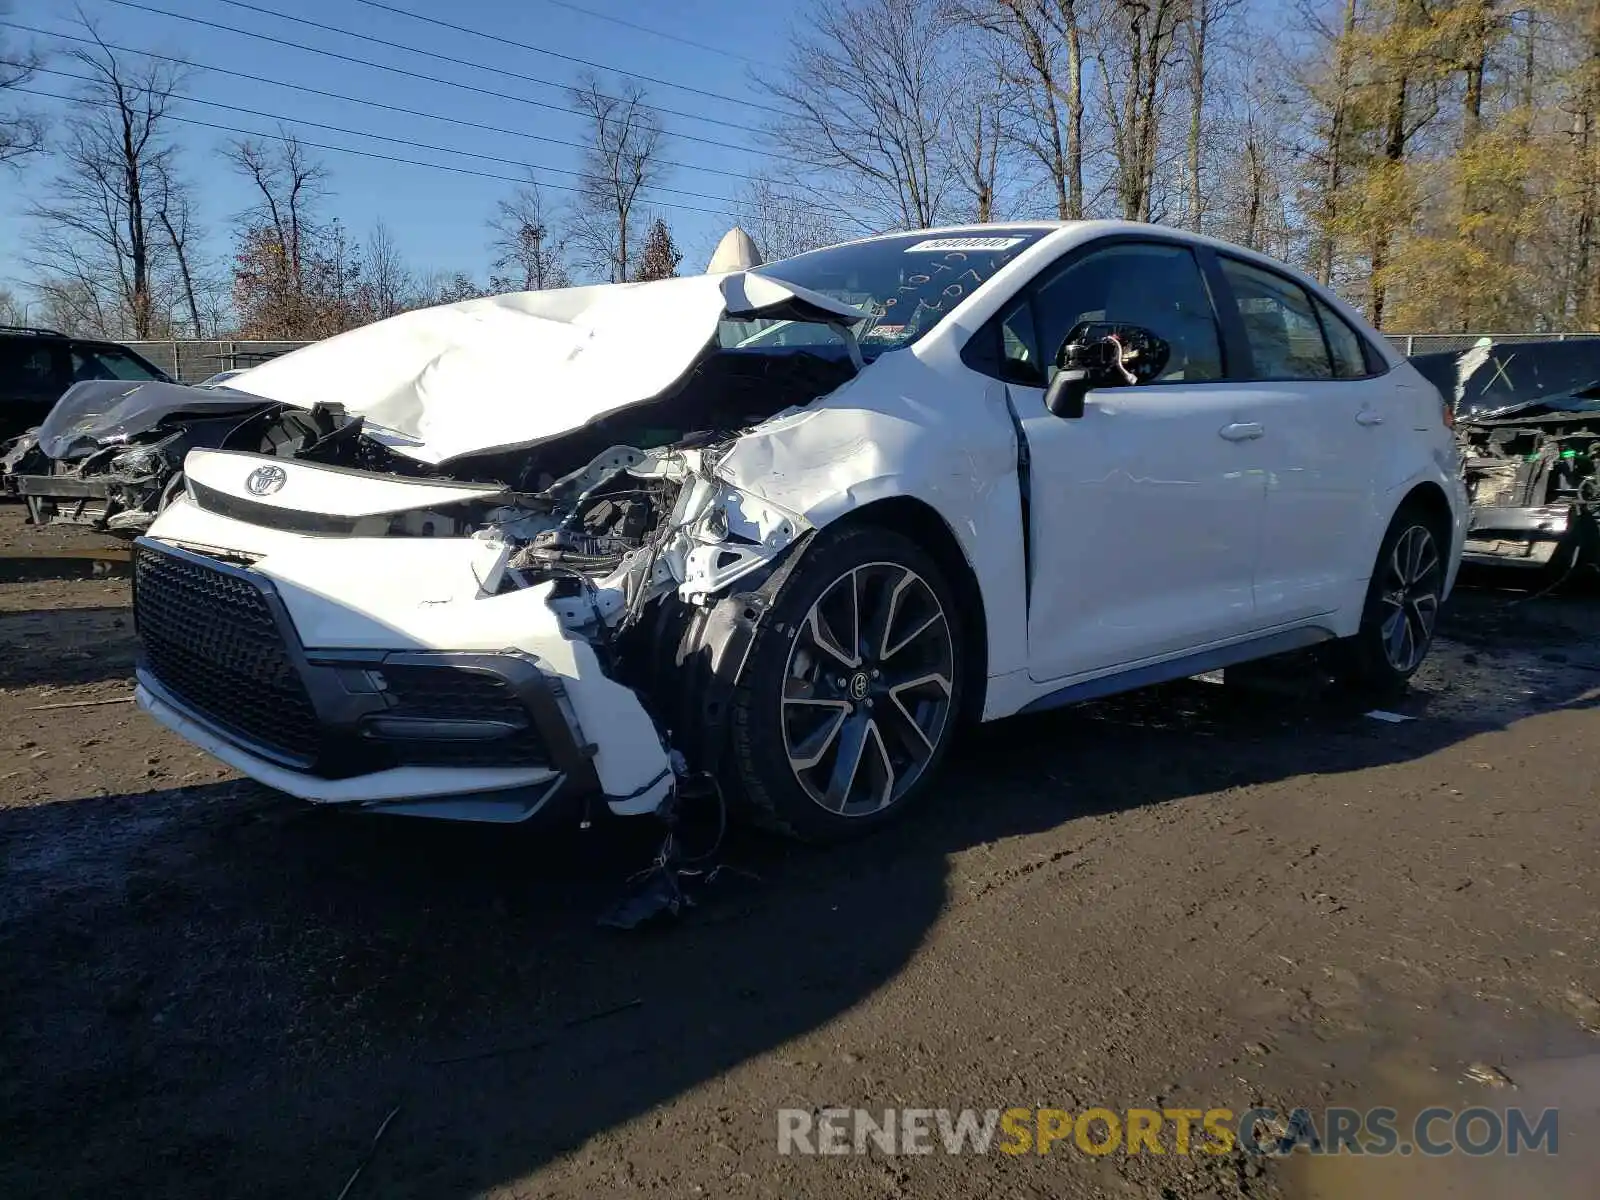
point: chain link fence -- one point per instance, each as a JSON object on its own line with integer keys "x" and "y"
{"x": 190, "y": 361}
{"x": 1435, "y": 343}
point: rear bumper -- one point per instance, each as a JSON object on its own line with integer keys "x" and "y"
{"x": 1528, "y": 537}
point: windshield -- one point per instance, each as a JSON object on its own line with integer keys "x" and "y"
{"x": 907, "y": 282}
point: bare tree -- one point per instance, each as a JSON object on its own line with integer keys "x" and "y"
{"x": 781, "y": 224}
{"x": 622, "y": 158}
{"x": 174, "y": 212}
{"x": 446, "y": 287}
{"x": 867, "y": 104}
{"x": 289, "y": 183}
{"x": 1136, "y": 47}
{"x": 1203, "y": 20}
{"x": 1046, "y": 65}
{"x": 12, "y": 310}
{"x": 982, "y": 114}
{"x": 389, "y": 287}
{"x": 21, "y": 133}
{"x": 529, "y": 253}
{"x": 99, "y": 225}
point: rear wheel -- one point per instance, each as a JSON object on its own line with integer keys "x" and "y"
{"x": 848, "y": 699}
{"x": 1403, "y": 603}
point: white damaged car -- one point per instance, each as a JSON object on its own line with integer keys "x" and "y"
{"x": 791, "y": 525}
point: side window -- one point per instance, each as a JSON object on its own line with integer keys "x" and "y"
{"x": 106, "y": 363}
{"x": 1280, "y": 325}
{"x": 1349, "y": 357}
{"x": 1157, "y": 286}
{"x": 1019, "y": 348}
{"x": 27, "y": 366}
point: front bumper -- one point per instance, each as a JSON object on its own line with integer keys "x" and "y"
{"x": 1528, "y": 537}
{"x": 474, "y": 734}
{"x": 63, "y": 499}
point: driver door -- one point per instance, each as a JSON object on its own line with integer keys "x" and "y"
{"x": 1145, "y": 513}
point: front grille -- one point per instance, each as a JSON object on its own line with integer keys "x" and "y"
{"x": 210, "y": 638}
{"x": 458, "y": 694}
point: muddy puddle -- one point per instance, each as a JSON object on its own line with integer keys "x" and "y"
{"x": 1568, "y": 1087}
{"x": 31, "y": 565}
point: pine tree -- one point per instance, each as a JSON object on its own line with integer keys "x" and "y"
{"x": 661, "y": 256}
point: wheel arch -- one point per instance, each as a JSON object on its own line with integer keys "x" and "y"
{"x": 925, "y": 525}
{"x": 1429, "y": 498}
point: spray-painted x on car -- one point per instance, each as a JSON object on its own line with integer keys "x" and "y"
{"x": 791, "y": 525}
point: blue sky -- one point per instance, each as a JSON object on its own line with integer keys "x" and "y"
{"x": 436, "y": 216}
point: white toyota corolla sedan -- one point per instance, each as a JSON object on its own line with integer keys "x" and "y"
{"x": 790, "y": 526}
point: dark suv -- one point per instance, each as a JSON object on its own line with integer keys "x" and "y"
{"x": 37, "y": 365}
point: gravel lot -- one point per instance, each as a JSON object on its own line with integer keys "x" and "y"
{"x": 1201, "y": 895}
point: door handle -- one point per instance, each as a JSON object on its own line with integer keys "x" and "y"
{"x": 1367, "y": 417}
{"x": 1241, "y": 431}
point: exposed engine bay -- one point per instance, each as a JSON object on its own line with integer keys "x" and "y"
{"x": 612, "y": 514}
{"x": 1528, "y": 427}
{"x": 1537, "y": 463}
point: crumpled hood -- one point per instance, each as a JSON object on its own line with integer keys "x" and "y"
{"x": 101, "y": 412}
{"x": 515, "y": 370}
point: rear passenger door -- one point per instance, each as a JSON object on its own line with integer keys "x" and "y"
{"x": 1304, "y": 369}
{"x": 33, "y": 374}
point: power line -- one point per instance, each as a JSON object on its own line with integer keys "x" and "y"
{"x": 661, "y": 33}
{"x": 377, "y": 41}
{"x": 327, "y": 95}
{"x": 399, "y": 141}
{"x": 410, "y": 162}
{"x": 532, "y": 49}
{"x": 420, "y": 76}
{"x": 394, "y": 108}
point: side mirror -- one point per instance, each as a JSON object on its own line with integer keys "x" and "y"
{"x": 1097, "y": 354}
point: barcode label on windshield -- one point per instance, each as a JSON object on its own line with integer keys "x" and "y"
{"x": 965, "y": 243}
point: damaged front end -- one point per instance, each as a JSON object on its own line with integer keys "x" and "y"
{"x": 481, "y": 636}
{"x": 1534, "y": 489}
{"x": 110, "y": 454}
{"x": 1528, "y": 426}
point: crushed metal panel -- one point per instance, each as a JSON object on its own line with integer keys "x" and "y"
{"x": 1528, "y": 428}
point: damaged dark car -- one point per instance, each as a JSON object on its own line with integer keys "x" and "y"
{"x": 110, "y": 454}
{"x": 1528, "y": 425}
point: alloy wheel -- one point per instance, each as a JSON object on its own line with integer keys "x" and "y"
{"x": 867, "y": 689}
{"x": 1413, "y": 581}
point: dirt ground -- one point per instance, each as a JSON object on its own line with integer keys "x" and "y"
{"x": 1198, "y": 896}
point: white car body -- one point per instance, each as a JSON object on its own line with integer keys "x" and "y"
{"x": 1153, "y": 548}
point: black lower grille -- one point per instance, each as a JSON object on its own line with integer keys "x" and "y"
{"x": 458, "y": 694}
{"x": 210, "y": 638}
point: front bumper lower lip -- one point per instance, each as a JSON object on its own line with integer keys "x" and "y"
{"x": 515, "y": 792}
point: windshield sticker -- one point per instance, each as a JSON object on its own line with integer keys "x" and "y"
{"x": 883, "y": 333}
{"x": 964, "y": 243}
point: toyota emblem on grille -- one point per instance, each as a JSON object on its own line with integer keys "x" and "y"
{"x": 264, "y": 481}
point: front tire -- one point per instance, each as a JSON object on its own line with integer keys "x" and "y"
{"x": 1401, "y": 614}
{"x": 848, "y": 700}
